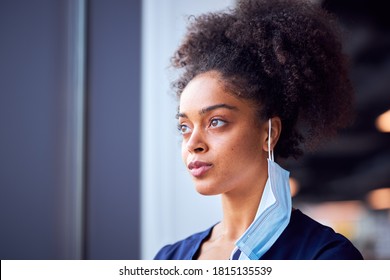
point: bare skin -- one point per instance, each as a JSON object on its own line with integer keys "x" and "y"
{"x": 225, "y": 150}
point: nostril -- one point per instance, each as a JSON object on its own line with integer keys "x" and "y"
{"x": 199, "y": 149}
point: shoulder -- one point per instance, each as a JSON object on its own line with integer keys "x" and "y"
{"x": 305, "y": 238}
{"x": 184, "y": 249}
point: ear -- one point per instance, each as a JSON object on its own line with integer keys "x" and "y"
{"x": 276, "y": 129}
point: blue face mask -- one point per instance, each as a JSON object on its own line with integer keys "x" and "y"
{"x": 273, "y": 214}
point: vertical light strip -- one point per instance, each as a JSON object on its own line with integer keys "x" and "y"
{"x": 157, "y": 186}
{"x": 74, "y": 181}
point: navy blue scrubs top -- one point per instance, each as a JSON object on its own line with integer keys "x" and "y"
{"x": 303, "y": 239}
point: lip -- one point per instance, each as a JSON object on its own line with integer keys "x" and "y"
{"x": 199, "y": 168}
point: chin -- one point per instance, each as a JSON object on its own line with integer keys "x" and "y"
{"x": 206, "y": 189}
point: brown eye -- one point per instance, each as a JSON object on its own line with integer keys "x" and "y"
{"x": 217, "y": 123}
{"x": 183, "y": 129}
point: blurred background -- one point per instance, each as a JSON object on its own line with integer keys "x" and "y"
{"x": 90, "y": 162}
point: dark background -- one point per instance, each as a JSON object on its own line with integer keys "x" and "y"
{"x": 33, "y": 50}
{"x": 358, "y": 160}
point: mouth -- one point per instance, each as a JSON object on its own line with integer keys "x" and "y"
{"x": 199, "y": 168}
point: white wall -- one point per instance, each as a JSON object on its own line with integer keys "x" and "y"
{"x": 171, "y": 208}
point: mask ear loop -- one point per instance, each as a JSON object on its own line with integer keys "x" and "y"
{"x": 270, "y": 153}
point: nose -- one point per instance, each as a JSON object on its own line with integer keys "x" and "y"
{"x": 196, "y": 143}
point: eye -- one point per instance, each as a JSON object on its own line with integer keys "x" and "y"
{"x": 183, "y": 129}
{"x": 217, "y": 123}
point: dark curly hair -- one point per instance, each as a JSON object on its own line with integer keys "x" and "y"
{"x": 283, "y": 55}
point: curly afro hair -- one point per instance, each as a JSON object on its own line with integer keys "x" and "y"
{"x": 283, "y": 55}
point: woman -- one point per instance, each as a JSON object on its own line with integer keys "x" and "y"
{"x": 262, "y": 79}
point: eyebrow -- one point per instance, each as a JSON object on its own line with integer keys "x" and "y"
{"x": 209, "y": 109}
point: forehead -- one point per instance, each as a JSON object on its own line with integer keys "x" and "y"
{"x": 206, "y": 90}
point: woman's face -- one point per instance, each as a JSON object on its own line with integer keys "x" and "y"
{"x": 222, "y": 143}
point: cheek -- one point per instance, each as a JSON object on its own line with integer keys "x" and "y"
{"x": 184, "y": 152}
{"x": 243, "y": 148}
{"x": 245, "y": 151}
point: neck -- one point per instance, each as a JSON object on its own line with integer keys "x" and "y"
{"x": 239, "y": 210}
